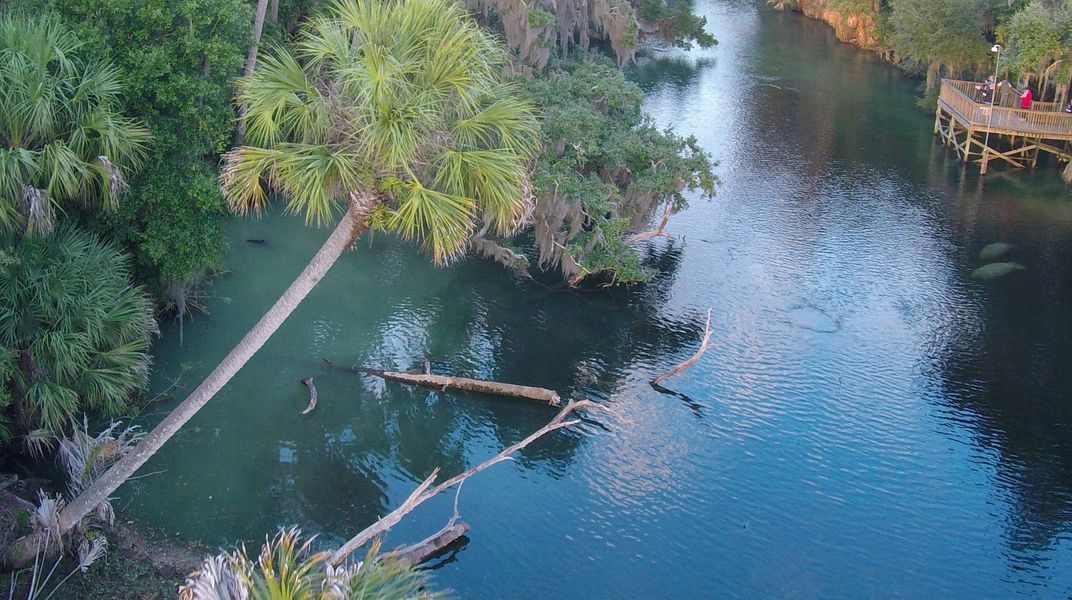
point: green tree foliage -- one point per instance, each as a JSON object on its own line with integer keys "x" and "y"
{"x": 675, "y": 22}
{"x": 1038, "y": 41}
{"x": 64, "y": 141}
{"x": 400, "y": 105}
{"x": 940, "y": 33}
{"x": 604, "y": 170}
{"x": 953, "y": 37}
{"x": 539, "y": 29}
{"x": 74, "y": 331}
{"x": 181, "y": 57}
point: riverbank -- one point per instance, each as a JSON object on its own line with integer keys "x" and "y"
{"x": 140, "y": 563}
{"x": 859, "y": 28}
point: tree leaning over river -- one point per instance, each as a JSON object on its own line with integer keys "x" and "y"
{"x": 395, "y": 111}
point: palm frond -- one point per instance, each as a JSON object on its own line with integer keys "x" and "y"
{"x": 403, "y": 100}
{"x": 58, "y": 115}
{"x": 66, "y": 301}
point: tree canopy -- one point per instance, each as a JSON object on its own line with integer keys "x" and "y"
{"x": 74, "y": 331}
{"x": 181, "y": 57}
{"x": 402, "y": 104}
{"x": 605, "y": 168}
{"x": 64, "y": 140}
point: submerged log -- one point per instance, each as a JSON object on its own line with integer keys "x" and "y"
{"x": 308, "y": 381}
{"x": 444, "y": 382}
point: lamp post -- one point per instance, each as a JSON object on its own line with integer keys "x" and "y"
{"x": 996, "y": 48}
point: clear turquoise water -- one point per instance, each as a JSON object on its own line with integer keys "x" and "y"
{"x": 870, "y": 421}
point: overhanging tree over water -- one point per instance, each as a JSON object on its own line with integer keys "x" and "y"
{"x": 396, "y": 111}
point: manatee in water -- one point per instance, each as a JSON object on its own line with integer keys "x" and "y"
{"x": 259, "y": 242}
{"x": 992, "y": 251}
{"x": 995, "y": 270}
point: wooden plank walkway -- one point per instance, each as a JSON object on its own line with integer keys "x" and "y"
{"x": 1045, "y": 119}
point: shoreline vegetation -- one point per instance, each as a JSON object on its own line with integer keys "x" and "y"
{"x": 535, "y": 154}
{"x": 935, "y": 39}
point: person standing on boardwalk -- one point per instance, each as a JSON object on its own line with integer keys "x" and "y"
{"x": 985, "y": 90}
{"x": 1025, "y": 99}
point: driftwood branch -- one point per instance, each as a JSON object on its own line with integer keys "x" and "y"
{"x": 695, "y": 357}
{"x": 444, "y": 382}
{"x": 426, "y": 491}
{"x": 636, "y": 238}
{"x": 415, "y": 554}
{"x": 308, "y": 381}
{"x": 411, "y": 556}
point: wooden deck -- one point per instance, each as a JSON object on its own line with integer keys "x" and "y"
{"x": 975, "y": 128}
{"x": 1045, "y": 119}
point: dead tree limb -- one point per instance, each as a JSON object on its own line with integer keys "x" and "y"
{"x": 415, "y": 554}
{"x": 308, "y": 381}
{"x": 444, "y": 382}
{"x": 695, "y": 357}
{"x": 636, "y": 238}
{"x": 411, "y": 556}
{"x": 426, "y": 491}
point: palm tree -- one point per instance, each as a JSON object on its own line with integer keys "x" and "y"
{"x": 75, "y": 331}
{"x": 287, "y": 568}
{"x": 63, "y": 137}
{"x": 397, "y": 110}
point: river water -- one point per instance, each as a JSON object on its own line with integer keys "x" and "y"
{"x": 870, "y": 421}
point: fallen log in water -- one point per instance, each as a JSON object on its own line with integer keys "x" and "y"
{"x": 308, "y": 381}
{"x": 426, "y": 490}
{"x": 444, "y": 382}
{"x": 411, "y": 556}
{"x": 415, "y": 554}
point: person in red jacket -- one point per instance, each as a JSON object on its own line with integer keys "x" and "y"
{"x": 1025, "y": 99}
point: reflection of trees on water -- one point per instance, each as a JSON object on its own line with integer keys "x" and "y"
{"x": 676, "y": 72}
{"x": 1016, "y": 373}
{"x": 579, "y": 343}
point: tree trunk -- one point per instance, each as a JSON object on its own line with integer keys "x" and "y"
{"x": 274, "y": 11}
{"x": 411, "y": 556}
{"x": 353, "y": 223}
{"x": 932, "y": 74}
{"x": 251, "y": 63}
{"x": 481, "y": 386}
{"x": 258, "y": 27}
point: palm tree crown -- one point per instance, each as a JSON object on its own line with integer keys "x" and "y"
{"x": 63, "y": 137}
{"x": 401, "y": 104}
{"x": 74, "y": 332}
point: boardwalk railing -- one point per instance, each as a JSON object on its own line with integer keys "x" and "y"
{"x": 1045, "y": 119}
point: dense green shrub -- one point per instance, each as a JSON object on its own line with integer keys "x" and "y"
{"x": 180, "y": 58}
{"x": 64, "y": 140}
{"x": 74, "y": 331}
{"x": 605, "y": 169}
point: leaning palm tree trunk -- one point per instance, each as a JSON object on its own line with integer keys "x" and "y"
{"x": 353, "y": 223}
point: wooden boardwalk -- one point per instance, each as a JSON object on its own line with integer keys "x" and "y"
{"x": 974, "y": 128}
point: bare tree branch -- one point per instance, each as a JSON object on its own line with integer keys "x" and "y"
{"x": 695, "y": 357}
{"x": 415, "y": 554}
{"x": 425, "y": 492}
{"x": 657, "y": 232}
